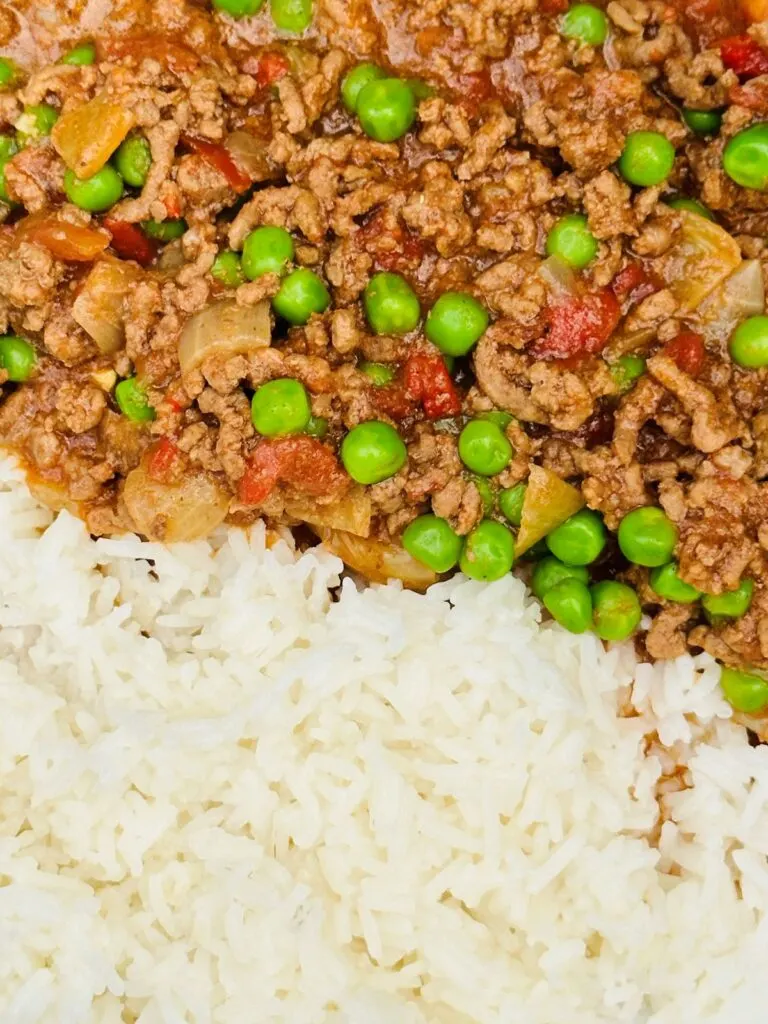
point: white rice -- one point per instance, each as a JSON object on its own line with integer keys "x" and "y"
{"x": 225, "y": 798}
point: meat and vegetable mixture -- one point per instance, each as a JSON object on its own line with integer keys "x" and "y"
{"x": 456, "y": 284}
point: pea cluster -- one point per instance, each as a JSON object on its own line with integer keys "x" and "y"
{"x": 294, "y": 16}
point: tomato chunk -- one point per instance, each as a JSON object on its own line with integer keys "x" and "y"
{"x": 427, "y": 381}
{"x": 744, "y": 56}
{"x": 218, "y": 156}
{"x": 688, "y": 351}
{"x": 634, "y": 283}
{"x": 579, "y": 326}
{"x": 271, "y": 68}
{"x": 162, "y": 459}
{"x": 130, "y": 242}
{"x": 303, "y": 463}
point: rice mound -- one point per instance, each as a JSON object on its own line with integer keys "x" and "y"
{"x": 226, "y": 798}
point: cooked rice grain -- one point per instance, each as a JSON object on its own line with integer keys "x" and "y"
{"x": 226, "y": 799}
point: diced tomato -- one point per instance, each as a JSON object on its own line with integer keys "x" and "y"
{"x": 304, "y": 463}
{"x": 166, "y": 51}
{"x": 393, "y": 401}
{"x": 579, "y": 326}
{"x": 271, "y": 68}
{"x": 744, "y": 56}
{"x": 474, "y": 88}
{"x": 68, "y": 242}
{"x": 634, "y": 283}
{"x": 427, "y": 380}
{"x": 553, "y": 6}
{"x": 161, "y": 460}
{"x": 130, "y": 242}
{"x": 219, "y": 157}
{"x": 688, "y": 351}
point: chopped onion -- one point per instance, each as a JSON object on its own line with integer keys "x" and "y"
{"x": 352, "y": 513}
{"x": 558, "y": 277}
{"x": 99, "y": 308}
{"x": 377, "y": 561}
{"x": 249, "y": 153}
{"x": 549, "y": 501}
{"x": 224, "y": 329}
{"x": 740, "y": 296}
{"x": 187, "y": 511}
{"x": 700, "y": 260}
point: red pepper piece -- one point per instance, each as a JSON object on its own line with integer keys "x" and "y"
{"x": 688, "y": 351}
{"x": 744, "y": 56}
{"x": 579, "y": 326}
{"x": 427, "y": 381}
{"x": 634, "y": 283}
{"x": 130, "y": 242}
{"x": 161, "y": 460}
{"x": 271, "y": 68}
{"x": 219, "y": 157}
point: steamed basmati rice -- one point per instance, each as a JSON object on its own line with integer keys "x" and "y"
{"x": 226, "y": 798}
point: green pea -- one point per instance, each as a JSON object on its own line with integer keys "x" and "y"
{"x": 317, "y": 426}
{"x": 666, "y": 581}
{"x": 483, "y": 448}
{"x": 239, "y": 8}
{"x": 372, "y": 452}
{"x": 267, "y": 250}
{"x": 386, "y": 108}
{"x": 132, "y": 401}
{"x": 572, "y": 241}
{"x": 80, "y": 56}
{"x": 744, "y": 691}
{"x": 498, "y": 416}
{"x": 691, "y": 206}
{"x": 487, "y": 493}
{"x": 379, "y": 373}
{"x": 456, "y": 323}
{"x": 293, "y": 16}
{"x": 626, "y": 370}
{"x": 391, "y": 305}
{"x": 165, "y": 230}
{"x": 550, "y": 571}
{"x": 647, "y": 536}
{"x": 703, "y": 122}
{"x": 745, "y": 157}
{"x": 301, "y": 294}
{"x": 586, "y": 23}
{"x": 579, "y": 540}
{"x": 616, "y": 610}
{"x": 569, "y": 602}
{"x": 355, "y": 81}
{"x": 36, "y": 122}
{"x": 9, "y": 72}
{"x": 133, "y": 160}
{"x": 749, "y": 343}
{"x": 648, "y": 159}
{"x": 432, "y": 542}
{"x": 280, "y": 407}
{"x": 731, "y": 605}
{"x": 97, "y": 193}
{"x": 17, "y": 358}
{"x": 511, "y": 503}
{"x": 227, "y": 269}
{"x": 489, "y": 552}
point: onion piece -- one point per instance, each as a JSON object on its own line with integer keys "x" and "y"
{"x": 549, "y": 501}
{"x": 352, "y": 513}
{"x": 186, "y": 511}
{"x": 558, "y": 277}
{"x": 249, "y": 153}
{"x": 99, "y": 306}
{"x": 224, "y": 329}
{"x": 376, "y": 560}
{"x": 86, "y": 137}
{"x": 703, "y": 256}
{"x": 740, "y": 296}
